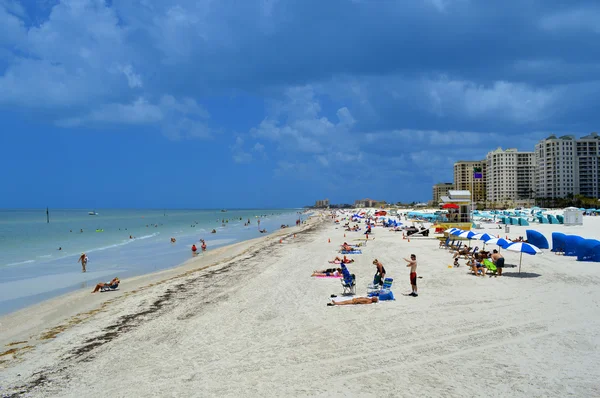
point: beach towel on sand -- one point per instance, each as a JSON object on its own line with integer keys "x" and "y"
{"x": 352, "y": 252}
{"x": 327, "y": 276}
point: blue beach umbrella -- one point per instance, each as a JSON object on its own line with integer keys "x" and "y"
{"x": 523, "y": 247}
{"x": 484, "y": 237}
{"x": 503, "y": 243}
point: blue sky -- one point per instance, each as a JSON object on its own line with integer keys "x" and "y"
{"x": 210, "y": 104}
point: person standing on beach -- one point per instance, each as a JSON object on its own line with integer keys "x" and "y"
{"x": 498, "y": 261}
{"x": 83, "y": 259}
{"x": 412, "y": 263}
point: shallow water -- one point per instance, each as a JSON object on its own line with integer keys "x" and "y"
{"x": 32, "y": 268}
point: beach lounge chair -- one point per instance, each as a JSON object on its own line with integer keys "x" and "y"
{"x": 470, "y": 253}
{"x": 108, "y": 288}
{"x": 348, "y": 281}
{"x": 349, "y": 284}
{"x": 444, "y": 244}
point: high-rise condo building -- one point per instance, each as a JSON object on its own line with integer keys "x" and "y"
{"x": 510, "y": 175}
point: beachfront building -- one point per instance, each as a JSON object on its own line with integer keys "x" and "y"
{"x": 321, "y": 204}
{"x": 556, "y": 165}
{"x": 588, "y": 165}
{"x": 369, "y": 203}
{"x": 471, "y": 175}
{"x": 510, "y": 177}
{"x": 440, "y": 190}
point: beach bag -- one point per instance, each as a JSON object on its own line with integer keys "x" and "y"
{"x": 386, "y": 295}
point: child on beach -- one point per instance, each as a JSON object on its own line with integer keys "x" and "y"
{"x": 412, "y": 263}
{"x": 456, "y": 264}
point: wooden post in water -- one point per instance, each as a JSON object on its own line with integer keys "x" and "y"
{"x": 47, "y": 216}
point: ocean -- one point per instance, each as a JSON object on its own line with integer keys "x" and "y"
{"x": 33, "y": 269}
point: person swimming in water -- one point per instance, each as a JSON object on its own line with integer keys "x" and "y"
{"x": 194, "y": 249}
{"x": 214, "y": 231}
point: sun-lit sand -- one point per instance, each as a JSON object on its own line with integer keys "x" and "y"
{"x": 248, "y": 320}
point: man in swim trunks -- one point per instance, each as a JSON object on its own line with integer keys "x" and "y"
{"x": 498, "y": 260}
{"x": 412, "y": 263}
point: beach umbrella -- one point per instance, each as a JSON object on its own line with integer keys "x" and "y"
{"x": 450, "y": 206}
{"x": 467, "y": 234}
{"x": 503, "y": 243}
{"x": 451, "y": 230}
{"x": 484, "y": 237}
{"x": 522, "y": 247}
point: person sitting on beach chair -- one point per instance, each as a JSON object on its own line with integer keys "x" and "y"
{"x": 328, "y": 272}
{"x": 462, "y": 252}
{"x": 103, "y": 287}
{"x": 357, "y": 300}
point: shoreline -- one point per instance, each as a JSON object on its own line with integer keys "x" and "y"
{"x": 48, "y": 313}
{"x": 254, "y": 316}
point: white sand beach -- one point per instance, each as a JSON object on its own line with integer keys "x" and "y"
{"x": 248, "y": 320}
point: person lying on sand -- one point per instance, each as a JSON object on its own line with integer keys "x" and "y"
{"x": 342, "y": 260}
{"x": 357, "y": 300}
{"x": 328, "y": 272}
{"x": 112, "y": 284}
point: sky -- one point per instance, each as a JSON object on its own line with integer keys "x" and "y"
{"x": 278, "y": 103}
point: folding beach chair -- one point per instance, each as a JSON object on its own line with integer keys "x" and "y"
{"x": 108, "y": 288}
{"x": 348, "y": 281}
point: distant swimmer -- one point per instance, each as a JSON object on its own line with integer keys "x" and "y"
{"x": 173, "y": 240}
{"x": 214, "y": 231}
{"x": 60, "y": 248}
{"x": 83, "y": 259}
{"x": 130, "y": 237}
{"x": 194, "y": 248}
{"x": 203, "y": 246}
{"x": 81, "y": 231}
{"x": 262, "y": 231}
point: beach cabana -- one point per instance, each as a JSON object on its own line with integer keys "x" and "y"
{"x": 558, "y": 241}
{"x": 589, "y": 250}
{"x": 572, "y": 243}
{"x": 523, "y": 222}
{"x": 514, "y": 221}
{"x": 537, "y": 239}
{"x": 573, "y": 216}
{"x": 542, "y": 219}
{"x": 552, "y": 219}
{"x": 560, "y": 219}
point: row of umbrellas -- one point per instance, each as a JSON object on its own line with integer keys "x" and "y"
{"x": 519, "y": 247}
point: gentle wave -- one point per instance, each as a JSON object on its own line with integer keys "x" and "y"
{"x": 20, "y": 263}
{"x": 126, "y": 242}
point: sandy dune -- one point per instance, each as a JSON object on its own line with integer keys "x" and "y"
{"x": 257, "y": 324}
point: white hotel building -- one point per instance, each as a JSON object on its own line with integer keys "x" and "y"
{"x": 510, "y": 176}
{"x": 566, "y": 165}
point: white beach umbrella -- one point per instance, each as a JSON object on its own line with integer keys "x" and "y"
{"x": 523, "y": 247}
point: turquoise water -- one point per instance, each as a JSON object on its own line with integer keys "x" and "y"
{"x": 32, "y": 268}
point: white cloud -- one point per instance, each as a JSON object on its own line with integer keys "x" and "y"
{"x": 133, "y": 79}
{"x": 238, "y": 153}
{"x": 518, "y": 102}
{"x": 12, "y": 29}
{"x": 296, "y": 123}
{"x": 258, "y": 147}
{"x": 576, "y": 19}
{"x": 176, "y": 119}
